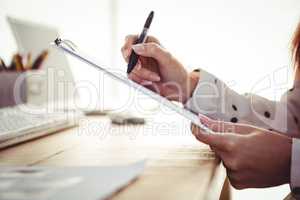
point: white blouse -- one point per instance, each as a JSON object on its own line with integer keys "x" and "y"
{"x": 216, "y": 100}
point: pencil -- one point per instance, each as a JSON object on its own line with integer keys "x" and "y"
{"x": 2, "y": 65}
{"x": 40, "y": 59}
{"x": 12, "y": 66}
{"x": 19, "y": 63}
{"x": 29, "y": 61}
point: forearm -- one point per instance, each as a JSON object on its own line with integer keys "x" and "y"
{"x": 193, "y": 79}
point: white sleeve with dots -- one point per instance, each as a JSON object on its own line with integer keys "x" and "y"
{"x": 213, "y": 98}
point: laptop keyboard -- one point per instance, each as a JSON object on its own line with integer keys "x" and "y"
{"x": 14, "y": 122}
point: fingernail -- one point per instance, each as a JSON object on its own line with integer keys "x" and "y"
{"x": 155, "y": 77}
{"x": 145, "y": 83}
{"x": 127, "y": 53}
{"x": 203, "y": 119}
{"x": 138, "y": 66}
{"x": 138, "y": 48}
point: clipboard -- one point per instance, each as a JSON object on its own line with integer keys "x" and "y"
{"x": 70, "y": 48}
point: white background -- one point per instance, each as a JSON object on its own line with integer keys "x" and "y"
{"x": 239, "y": 41}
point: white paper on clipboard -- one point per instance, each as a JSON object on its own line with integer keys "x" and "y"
{"x": 68, "y": 47}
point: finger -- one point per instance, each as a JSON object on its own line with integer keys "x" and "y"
{"x": 237, "y": 179}
{"x": 221, "y": 126}
{"x": 134, "y": 77}
{"x": 138, "y": 65}
{"x": 126, "y": 55}
{"x": 152, "y": 39}
{"x": 219, "y": 141}
{"x": 129, "y": 41}
{"x": 217, "y": 152}
{"x": 152, "y": 50}
{"x": 217, "y": 126}
{"x": 146, "y": 74}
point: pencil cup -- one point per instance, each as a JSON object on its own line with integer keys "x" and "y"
{"x": 12, "y": 88}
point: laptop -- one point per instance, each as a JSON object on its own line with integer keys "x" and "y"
{"x": 54, "y": 82}
{"x": 46, "y": 110}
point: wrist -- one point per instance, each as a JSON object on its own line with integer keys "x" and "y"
{"x": 288, "y": 157}
{"x": 193, "y": 79}
{"x": 295, "y": 163}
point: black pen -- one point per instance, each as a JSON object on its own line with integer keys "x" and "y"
{"x": 133, "y": 59}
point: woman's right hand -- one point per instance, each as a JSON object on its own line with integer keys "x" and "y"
{"x": 158, "y": 70}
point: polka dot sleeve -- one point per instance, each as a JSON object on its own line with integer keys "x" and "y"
{"x": 213, "y": 98}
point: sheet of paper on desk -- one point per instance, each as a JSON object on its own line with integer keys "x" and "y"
{"x": 62, "y": 183}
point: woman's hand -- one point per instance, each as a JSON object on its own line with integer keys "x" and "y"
{"x": 158, "y": 70}
{"x": 253, "y": 157}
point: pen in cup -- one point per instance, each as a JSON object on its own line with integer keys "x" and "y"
{"x": 133, "y": 59}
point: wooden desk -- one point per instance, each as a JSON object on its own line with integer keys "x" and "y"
{"x": 178, "y": 166}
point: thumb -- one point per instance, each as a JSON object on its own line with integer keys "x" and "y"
{"x": 215, "y": 125}
{"x": 150, "y": 50}
{"x": 217, "y": 140}
{"x": 222, "y": 126}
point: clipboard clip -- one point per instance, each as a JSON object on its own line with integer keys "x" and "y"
{"x": 67, "y": 43}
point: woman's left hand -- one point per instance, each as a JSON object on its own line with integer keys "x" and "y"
{"x": 253, "y": 157}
